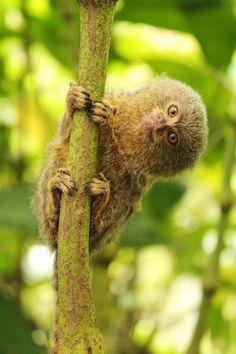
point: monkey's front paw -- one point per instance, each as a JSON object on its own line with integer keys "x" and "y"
{"x": 77, "y": 98}
{"x": 62, "y": 181}
{"x": 99, "y": 185}
{"x": 101, "y": 111}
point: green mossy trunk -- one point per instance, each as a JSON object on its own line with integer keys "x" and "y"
{"x": 76, "y": 329}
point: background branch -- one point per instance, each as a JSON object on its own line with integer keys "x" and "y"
{"x": 211, "y": 280}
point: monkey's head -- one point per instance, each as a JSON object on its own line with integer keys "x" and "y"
{"x": 177, "y": 126}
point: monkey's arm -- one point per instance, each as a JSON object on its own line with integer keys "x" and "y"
{"x": 54, "y": 178}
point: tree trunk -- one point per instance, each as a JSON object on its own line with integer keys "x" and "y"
{"x": 76, "y": 329}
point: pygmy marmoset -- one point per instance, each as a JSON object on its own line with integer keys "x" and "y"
{"x": 154, "y": 132}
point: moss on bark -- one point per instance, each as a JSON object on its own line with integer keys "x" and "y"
{"x": 76, "y": 327}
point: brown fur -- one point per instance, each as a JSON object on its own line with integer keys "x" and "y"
{"x": 133, "y": 152}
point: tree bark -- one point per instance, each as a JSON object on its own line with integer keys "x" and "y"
{"x": 76, "y": 329}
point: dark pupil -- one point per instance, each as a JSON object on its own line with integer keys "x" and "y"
{"x": 173, "y": 111}
{"x": 172, "y": 138}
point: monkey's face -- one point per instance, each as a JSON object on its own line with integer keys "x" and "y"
{"x": 177, "y": 126}
{"x": 162, "y": 124}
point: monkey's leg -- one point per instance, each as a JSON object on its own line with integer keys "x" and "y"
{"x": 101, "y": 112}
{"x": 60, "y": 183}
{"x": 99, "y": 188}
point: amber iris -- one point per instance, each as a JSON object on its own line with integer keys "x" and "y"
{"x": 172, "y": 138}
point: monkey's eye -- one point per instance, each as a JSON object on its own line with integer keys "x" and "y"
{"x": 172, "y": 138}
{"x": 172, "y": 110}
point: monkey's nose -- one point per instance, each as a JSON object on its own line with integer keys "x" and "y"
{"x": 161, "y": 124}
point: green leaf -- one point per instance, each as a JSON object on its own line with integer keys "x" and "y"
{"x": 215, "y": 28}
{"x": 15, "y": 207}
{"x": 212, "y": 22}
{"x": 15, "y": 330}
{"x": 162, "y": 13}
{"x": 152, "y": 224}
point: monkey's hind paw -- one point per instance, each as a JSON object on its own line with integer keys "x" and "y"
{"x": 77, "y": 98}
{"x": 101, "y": 111}
{"x": 62, "y": 181}
{"x": 99, "y": 185}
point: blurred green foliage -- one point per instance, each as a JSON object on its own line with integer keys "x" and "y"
{"x": 15, "y": 334}
{"x": 148, "y": 286}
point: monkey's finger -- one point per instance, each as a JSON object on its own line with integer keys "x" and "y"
{"x": 98, "y": 119}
